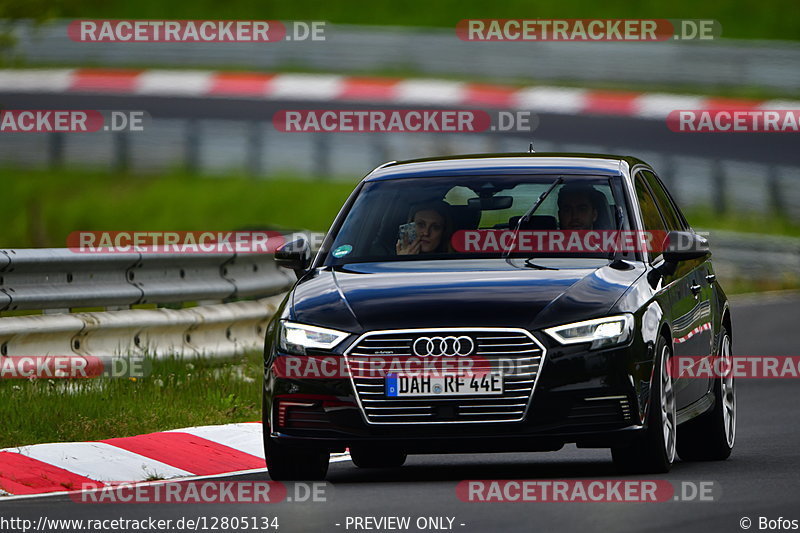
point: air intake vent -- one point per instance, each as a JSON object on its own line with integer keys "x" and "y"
{"x": 613, "y": 410}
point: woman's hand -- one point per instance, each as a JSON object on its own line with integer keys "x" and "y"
{"x": 402, "y": 247}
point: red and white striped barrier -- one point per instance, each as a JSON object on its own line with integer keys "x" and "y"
{"x": 193, "y": 452}
{"x": 335, "y": 88}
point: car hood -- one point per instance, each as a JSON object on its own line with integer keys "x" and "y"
{"x": 376, "y": 296}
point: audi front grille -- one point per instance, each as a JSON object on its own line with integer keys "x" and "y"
{"x": 515, "y": 350}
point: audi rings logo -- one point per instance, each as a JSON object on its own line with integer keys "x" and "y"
{"x": 447, "y": 346}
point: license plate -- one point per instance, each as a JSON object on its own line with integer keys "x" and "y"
{"x": 405, "y": 385}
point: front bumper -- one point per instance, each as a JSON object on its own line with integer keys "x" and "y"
{"x": 593, "y": 399}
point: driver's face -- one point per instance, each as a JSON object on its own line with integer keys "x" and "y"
{"x": 575, "y": 211}
{"x": 430, "y": 227}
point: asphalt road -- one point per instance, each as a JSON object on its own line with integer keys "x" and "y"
{"x": 608, "y": 132}
{"x": 759, "y": 480}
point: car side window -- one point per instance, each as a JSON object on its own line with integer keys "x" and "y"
{"x": 665, "y": 205}
{"x": 651, "y": 218}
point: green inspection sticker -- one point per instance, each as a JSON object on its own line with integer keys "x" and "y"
{"x": 342, "y": 250}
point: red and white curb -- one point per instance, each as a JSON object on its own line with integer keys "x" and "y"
{"x": 189, "y": 453}
{"x": 335, "y": 88}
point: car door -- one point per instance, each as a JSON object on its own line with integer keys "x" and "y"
{"x": 690, "y": 313}
{"x": 704, "y": 328}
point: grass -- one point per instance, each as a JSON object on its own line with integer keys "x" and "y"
{"x": 748, "y": 19}
{"x": 749, "y": 286}
{"x": 47, "y": 206}
{"x": 176, "y": 394}
{"x": 743, "y": 222}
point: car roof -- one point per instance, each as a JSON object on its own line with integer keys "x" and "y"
{"x": 500, "y": 164}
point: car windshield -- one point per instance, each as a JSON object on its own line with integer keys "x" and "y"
{"x": 472, "y": 217}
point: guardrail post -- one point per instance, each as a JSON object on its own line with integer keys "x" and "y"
{"x": 494, "y": 143}
{"x": 776, "y": 201}
{"x": 255, "y": 140}
{"x": 670, "y": 177}
{"x": 122, "y": 156}
{"x": 56, "y": 150}
{"x": 718, "y": 189}
{"x": 192, "y": 146}
{"x": 379, "y": 149}
{"x": 321, "y": 156}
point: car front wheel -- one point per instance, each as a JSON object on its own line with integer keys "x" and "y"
{"x": 654, "y": 451}
{"x": 710, "y": 436}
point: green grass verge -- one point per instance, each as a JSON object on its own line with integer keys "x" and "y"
{"x": 749, "y": 286}
{"x": 47, "y": 206}
{"x": 744, "y": 222}
{"x": 176, "y": 394}
{"x": 749, "y": 19}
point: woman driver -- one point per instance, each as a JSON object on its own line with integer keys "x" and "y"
{"x": 433, "y": 223}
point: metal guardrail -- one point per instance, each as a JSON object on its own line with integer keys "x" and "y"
{"x": 755, "y": 256}
{"x": 766, "y": 64}
{"x": 59, "y": 279}
{"x": 210, "y": 331}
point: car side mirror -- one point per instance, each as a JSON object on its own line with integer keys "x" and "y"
{"x": 684, "y": 246}
{"x": 295, "y": 255}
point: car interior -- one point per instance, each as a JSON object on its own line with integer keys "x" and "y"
{"x": 468, "y": 211}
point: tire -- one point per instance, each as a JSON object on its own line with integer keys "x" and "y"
{"x": 710, "y": 436}
{"x": 295, "y": 462}
{"x": 654, "y": 451}
{"x": 368, "y": 457}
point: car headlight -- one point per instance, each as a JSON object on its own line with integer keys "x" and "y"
{"x": 296, "y": 338}
{"x": 600, "y": 332}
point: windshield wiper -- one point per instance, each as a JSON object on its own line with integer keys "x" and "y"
{"x": 528, "y": 214}
{"x": 613, "y": 254}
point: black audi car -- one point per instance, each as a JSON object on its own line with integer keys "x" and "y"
{"x": 493, "y": 303}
